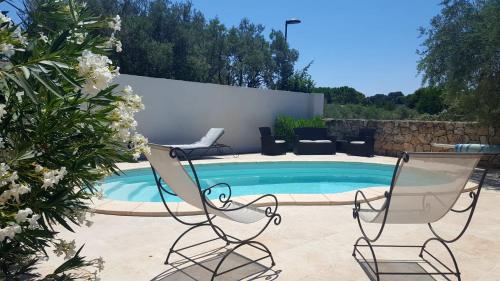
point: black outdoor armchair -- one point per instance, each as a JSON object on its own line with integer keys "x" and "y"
{"x": 312, "y": 141}
{"x": 363, "y": 144}
{"x": 270, "y": 145}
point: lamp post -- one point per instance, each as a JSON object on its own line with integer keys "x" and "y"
{"x": 290, "y": 21}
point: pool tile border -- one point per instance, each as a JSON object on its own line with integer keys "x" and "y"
{"x": 157, "y": 209}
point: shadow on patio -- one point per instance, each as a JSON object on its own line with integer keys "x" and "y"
{"x": 235, "y": 267}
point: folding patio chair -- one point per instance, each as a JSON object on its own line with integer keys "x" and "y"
{"x": 424, "y": 188}
{"x": 167, "y": 168}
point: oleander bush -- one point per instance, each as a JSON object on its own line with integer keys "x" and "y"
{"x": 63, "y": 126}
{"x": 284, "y": 126}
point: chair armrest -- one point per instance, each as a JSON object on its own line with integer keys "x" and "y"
{"x": 332, "y": 138}
{"x": 268, "y": 139}
{"x": 224, "y": 198}
{"x": 360, "y": 198}
{"x": 250, "y": 204}
{"x": 270, "y": 211}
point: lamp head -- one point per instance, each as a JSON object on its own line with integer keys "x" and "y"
{"x": 293, "y": 21}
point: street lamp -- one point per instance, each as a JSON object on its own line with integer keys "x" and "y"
{"x": 290, "y": 21}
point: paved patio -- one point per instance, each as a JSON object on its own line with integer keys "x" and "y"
{"x": 311, "y": 243}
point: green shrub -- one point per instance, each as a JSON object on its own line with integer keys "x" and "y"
{"x": 284, "y": 126}
{"x": 359, "y": 111}
{"x": 63, "y": 127}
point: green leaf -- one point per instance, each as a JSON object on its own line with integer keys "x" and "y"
{"x": 66, "y": 76}
{"x": 59, "y": 42}
{"x": 23, "y": 83}
{"x": 46, "y": 84}
{"x": 55, "y": 63}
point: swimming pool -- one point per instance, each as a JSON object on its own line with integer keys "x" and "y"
{"x": 138, "y": 185}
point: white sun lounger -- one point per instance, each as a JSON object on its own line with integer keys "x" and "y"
{"x": 205, "y": 144}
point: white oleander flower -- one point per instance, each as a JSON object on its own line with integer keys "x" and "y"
{"x": 4, "y": 168}
{"x": 52, "y": 177}
{"x": 4, "y": 18}
{"x": 13, "y": 177}
{"x": 19, "y": 96}
{"x": 96, "y": 69}
{"x": 38, "y": 168}
{"x": 43, "y": 37}
{"x": 118, "y": 46}
{"x": 3, "y": 112}
{"x": 139, "y": 145}
{"x": 132, "y": 101}
{"x": 9, "y": 231}
{"x": 33, "y": 221}
{"x": 116, "y": 23}
{"x": 7, "y": 49}
{"x": 80, "y": 37}
{"x": 19, "y": 36}
{"x": 22, "y": 215}
{"x": 15, "y": 191}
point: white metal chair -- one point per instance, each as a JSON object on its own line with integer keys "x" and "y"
{"x": 424, "y": 188}
{"x": 167, "y": 168}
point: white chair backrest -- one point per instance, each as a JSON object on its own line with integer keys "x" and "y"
{"x": 211, "y": 137}
{"x": 428, "y": 185}
{"x": 175, "y": 176}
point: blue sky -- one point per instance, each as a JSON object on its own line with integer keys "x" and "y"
{"x": 366, "y": 44}
{"x": 369, "y": 45}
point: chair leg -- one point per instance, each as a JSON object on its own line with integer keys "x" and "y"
{"x": 455, "y": 264}
{"x": 172, "y": 250}
{"x": 446, "y": 270}
{"x": 374, "y": 270}
{"x": 254, "y": 244}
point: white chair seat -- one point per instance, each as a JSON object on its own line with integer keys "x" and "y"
{"x": 279, "y": 141}
{"x": 425, "y": 188}
{"x": 206, "y": 141}
{"x": 357, "y": 142}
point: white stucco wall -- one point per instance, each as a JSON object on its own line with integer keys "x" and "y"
{"x": 181, "y": 112}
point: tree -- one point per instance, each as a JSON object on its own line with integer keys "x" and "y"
{"x": 426, "y": 100}
{"x": 341, "y": 95}
{"x": 173, "y": 40}
{"x": 284, "y": 60}
{"x": 396, "y": 97}
{"x": 381, "y": 100}
{"x": 301, "y": 81}
{"x": 461, "y": 54}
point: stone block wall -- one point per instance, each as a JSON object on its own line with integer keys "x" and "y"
{"x": 394, "y": 136}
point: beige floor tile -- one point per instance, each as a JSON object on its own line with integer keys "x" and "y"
{"x": 310, "y": 199}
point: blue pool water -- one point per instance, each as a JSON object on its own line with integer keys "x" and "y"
{"x": 258, "y": 178}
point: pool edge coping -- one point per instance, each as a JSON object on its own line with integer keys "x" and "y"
{"x": 157, "y": 209}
